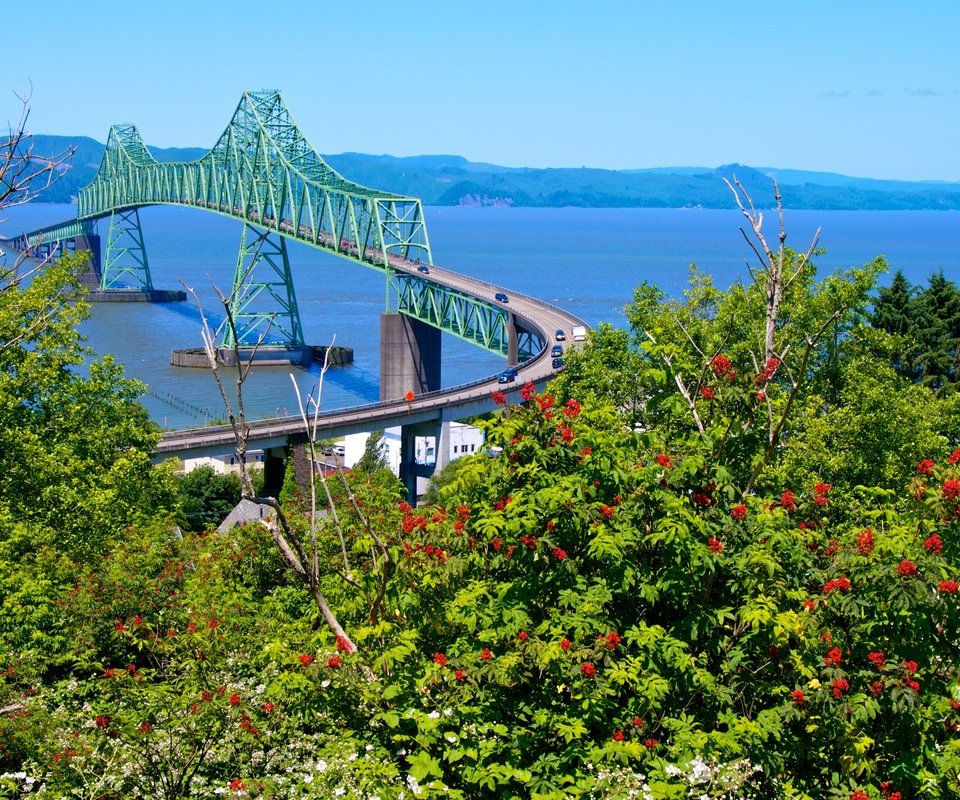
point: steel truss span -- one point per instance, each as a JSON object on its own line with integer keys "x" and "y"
{"x": 263, "y": 172}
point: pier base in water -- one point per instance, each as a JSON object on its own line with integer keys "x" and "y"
{"x": 266, "y": 356}
{"x": 136, "y": 296}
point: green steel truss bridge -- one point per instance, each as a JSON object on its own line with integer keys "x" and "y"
{"x": 263, "y": 172}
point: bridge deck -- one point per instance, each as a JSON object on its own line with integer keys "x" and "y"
{"x": 454, "y": 403}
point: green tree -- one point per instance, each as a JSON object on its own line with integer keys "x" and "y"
{"x": 74, "y": 441}
{"x": 925, "y": 326}
{"x": 206, "y": 497}
{"x": 374, "y": 456}
{"x": 75, "y": 470}
{"x": 697, "y": 367}
{"x": 937, "y": 331}
{"x": 891, "y": 309}
{"x": 445, "y": 477}
{"x": 610, "y": 371}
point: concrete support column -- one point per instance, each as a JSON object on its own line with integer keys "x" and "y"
{"x": 410, "y": 470}
{"x": 409, "y": 356}
{"x": 90, "y": 244}
{"x": 408, "y": 465}
{"x": 274, "y": 466}
{"x": 513, "y": 346}
{"x": 443, "y": 444}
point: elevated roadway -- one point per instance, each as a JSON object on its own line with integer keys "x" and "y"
{"x": 537, "y": 316}
{"x": 263, "y": 172}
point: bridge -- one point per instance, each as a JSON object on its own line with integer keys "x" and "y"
{"x": 264, "y": 173}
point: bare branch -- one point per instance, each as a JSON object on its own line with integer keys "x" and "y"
{"x": 23, "y": 173}
{"x": 805, "y": 258}
{"x": 681, "y": 386}
{"x": 303, "y": 561}
{"x": 796, "y": 384}
{"x": 773, "y": 264}
{"x": 693, "y": 344}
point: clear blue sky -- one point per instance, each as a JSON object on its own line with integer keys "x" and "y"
{"x": 869, "y": 89}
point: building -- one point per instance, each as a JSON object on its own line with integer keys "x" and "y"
{"x": 224, "y": 464}
{"x": 463, "y": 440}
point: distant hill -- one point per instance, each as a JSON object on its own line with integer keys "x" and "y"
{"x": 447, "y": 180}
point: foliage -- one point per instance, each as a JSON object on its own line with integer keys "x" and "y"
{"x": 926, "y": 326}
{"x": 698, "y": 370}
{"x": 206, "y": 497}
{"x": 591, "y": 602}
{"x": 718, "y": 557}
{"x": 442, "y": 478}
{"x": 374, "y": 456}
{"x": 73, "y": 446}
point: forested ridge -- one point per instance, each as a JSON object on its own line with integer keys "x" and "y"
{"x": 453, "y": 181}
{"x": 717, "y": 557}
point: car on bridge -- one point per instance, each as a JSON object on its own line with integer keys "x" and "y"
{"x": 424, "y": 269}
{"x": 509, "y": 375}
{"x": 557, "y": 351}
{"x": 561, "y": 336}
{"x": 557, "y": 363}
{"x": 502, "y": 297}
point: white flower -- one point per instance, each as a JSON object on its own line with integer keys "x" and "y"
{"x": 434, "y": 715}
{"x": 699, "y": 771}
{"x": 321, "y": 765}
{"x": 451, "y": 737}
{"x": 339, "y": 791}
{"x": 325, "y": 684}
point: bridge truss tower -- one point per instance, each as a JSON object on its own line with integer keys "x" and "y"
{"x": 125, "y": 260}
{"x": 263, "y": 304}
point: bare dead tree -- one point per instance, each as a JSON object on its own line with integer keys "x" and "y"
{"x": 379, "y": 553}
{"x": 23, "y": 173}
{"x": 776, "y": 270}
{"x": 23, "y": 176}
{"x": 300, "y": 551}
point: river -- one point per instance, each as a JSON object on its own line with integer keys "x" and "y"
{"x": 585, "y": 260}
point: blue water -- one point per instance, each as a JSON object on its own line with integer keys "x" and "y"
{"x": 585, "y": 260}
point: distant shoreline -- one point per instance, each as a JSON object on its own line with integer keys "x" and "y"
{"x": 450, "y": 181}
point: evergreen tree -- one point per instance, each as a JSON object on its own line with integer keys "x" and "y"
{"x": 936, "y": 313}
{"x": 891, "y": 311}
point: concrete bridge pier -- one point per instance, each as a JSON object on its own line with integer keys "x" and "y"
{"x": 513, "y": 342}
{"x": 55, "y": 248}
{"x": 410, "y": 362}
{"x": 89, "y": 243}
{"x": 410, "y": 469}
{"x": 409, "y": 356}
{"x": 274, "y": 469}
